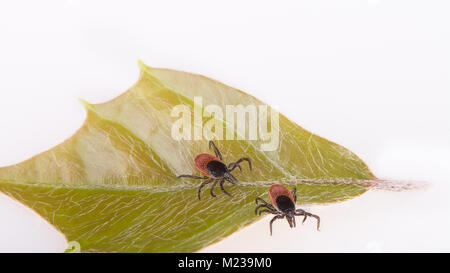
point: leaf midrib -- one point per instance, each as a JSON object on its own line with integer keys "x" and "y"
{"x": 157, "y": 189}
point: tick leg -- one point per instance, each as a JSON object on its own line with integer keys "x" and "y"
{"x": 294, "y": 193}
{"x": 300, "y": 212}
{"x": 221, "y": 187}
{"x": 216, "y": 151}
{"x": 191, "y": 176}
{"x": 212, "y": 188}
{"x": 268, "y": 211}
{"x": 317, "y": 217}
{"x": 245, "y": 159}
{"x": 240, "y": 160}
{"x": 273, "y": 219}
{"x": 261, "y": 200}
{"x": 258, "y": 207}
{"x": 267, "y": 206}
{"x": 233, "y": 165}
{"x": 202, "y": 185}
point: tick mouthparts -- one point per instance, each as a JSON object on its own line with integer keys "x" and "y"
{"x": 230, "y": 177}
{"x": 291, "y": 221}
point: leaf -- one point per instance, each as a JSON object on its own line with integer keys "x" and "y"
{"x": 111, "y": 187}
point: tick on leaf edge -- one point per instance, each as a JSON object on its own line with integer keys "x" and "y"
{"x": 283, "y": 205}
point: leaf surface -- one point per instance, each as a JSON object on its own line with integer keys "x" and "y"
{"x": 112, "y": 187}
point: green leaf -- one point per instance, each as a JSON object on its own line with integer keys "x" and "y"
{"x": 111, "y": 187}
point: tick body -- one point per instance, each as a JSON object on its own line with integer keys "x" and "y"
{"x": 283, "y": 205}
{"x": 215, "y": 170}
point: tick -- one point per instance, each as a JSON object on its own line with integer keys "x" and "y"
{"x": 214, "y": 170}
{"x": 283, "y": 205}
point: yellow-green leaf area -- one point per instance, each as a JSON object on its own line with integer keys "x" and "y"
{"x": 112, "y": 186}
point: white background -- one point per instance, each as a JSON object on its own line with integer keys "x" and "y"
{"x": 372, "y": 76}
